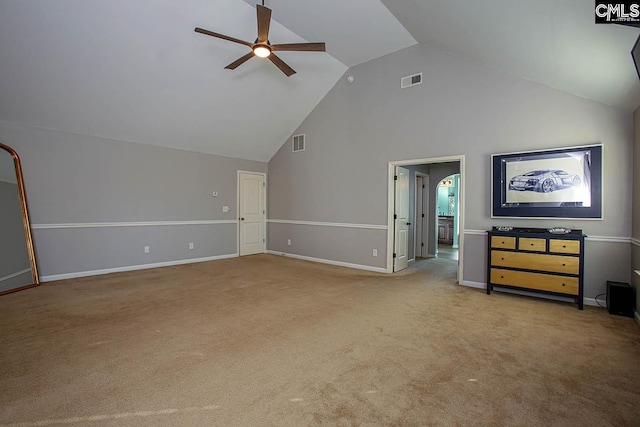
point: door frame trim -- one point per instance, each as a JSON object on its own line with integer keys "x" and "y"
{"x": 424, "y": 221}
{"x": 390, "y": 204}
{"x": 264, "y": 218}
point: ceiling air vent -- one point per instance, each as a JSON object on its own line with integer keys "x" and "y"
{"x": 412, "y": 80}
{"x": 298, "y": 143}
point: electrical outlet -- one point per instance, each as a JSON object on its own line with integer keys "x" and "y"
{"x": 375, "y": 252}
{"x": 146, "y": 249}
{"x": 214, "y": 194}
{"x": 191, "y": 245}
{"x": 288, "y": 242}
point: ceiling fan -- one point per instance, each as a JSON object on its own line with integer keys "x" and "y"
{"x": 262, "y": 47}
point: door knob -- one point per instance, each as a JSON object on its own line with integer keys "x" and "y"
{"x": 241, "y": 219}
{"x": 408, "y": 223}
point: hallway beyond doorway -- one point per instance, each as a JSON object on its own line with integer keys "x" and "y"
{"x": 447, "y": 251}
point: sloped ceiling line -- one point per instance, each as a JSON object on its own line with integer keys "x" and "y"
{"x": 137, "y": 71}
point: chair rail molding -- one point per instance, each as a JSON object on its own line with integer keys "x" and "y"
{"x": 129, "y": 224}
{"x": 328, "y": 224}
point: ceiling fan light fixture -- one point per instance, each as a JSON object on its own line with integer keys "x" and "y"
{"x": 262, "y": 51}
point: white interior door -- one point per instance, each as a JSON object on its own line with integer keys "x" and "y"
{"x": 401, "y": 219}
{"x": 251, "y": 209}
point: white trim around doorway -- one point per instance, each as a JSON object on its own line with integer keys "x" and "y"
{"x": 390, "y": 205}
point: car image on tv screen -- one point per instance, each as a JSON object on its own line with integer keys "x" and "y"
{"x": 544, "y": 181}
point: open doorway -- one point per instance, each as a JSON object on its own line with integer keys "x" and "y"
{"x": 421, "y": 233}
{"x": 446, "y": 208}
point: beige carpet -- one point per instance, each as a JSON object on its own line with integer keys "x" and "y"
{"x": 271, "y": 341}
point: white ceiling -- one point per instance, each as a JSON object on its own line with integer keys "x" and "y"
{"x": 136, "y": 70}
{"x": 554, "y": 42}
{"x": 355, "y": 31}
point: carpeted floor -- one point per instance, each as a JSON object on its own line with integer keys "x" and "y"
{"x": 272, "y": 341}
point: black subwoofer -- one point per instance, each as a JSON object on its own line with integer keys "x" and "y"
{"x": 620, "y": 299}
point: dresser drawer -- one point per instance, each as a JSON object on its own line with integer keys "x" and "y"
{"x": 543, "y": 262}
{"x": 531, "y": 244}
{"x": 538, "y": 281}
{"x": 564, "y": 246}
{"x": 503, "y": 242}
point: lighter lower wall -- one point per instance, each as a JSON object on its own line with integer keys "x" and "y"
{"x": 95, "y": 203}
{"x": 317, "y": 240}
{"x": 74, "y": 250}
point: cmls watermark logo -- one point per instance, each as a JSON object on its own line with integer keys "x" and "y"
{"x": 617, "y": 12}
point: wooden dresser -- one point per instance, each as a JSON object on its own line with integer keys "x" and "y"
{"x": 533, "y": 259}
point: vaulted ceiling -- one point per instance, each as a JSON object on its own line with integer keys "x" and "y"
{"x": 136, "y": 70}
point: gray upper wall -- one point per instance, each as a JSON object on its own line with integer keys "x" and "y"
{"x": 88, "y": 195}
{"x": 462, "y": 107}
{"x": 72, "y": 178}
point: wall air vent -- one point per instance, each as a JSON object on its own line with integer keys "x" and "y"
{"x": 412, "y": 80}
{"x": 298, "y": 143}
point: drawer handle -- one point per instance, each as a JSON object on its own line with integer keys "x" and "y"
{"x": 563, "y": 284}
{"x": 563, "y": 264}
{"x": 564, "y": 246}
{"x": 502, "y": 259}
{"x": 532, "y": 244}
{"x": 502, "y": 277}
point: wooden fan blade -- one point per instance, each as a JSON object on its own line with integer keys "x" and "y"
{"x": 264, "y": 20}
{"x": 222, "y": 36}
{"x": 235, "y": 64}
{"x": 302, "y": 47}
{"x": 280, "y": 64}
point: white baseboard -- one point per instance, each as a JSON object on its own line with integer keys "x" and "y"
{"x": 482, "y": 285}
{"x": 75, "y": 275}
{"x": 331, "y": 262}
{"x": 592, "y": 302}
{"x": 470, "y": 284}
